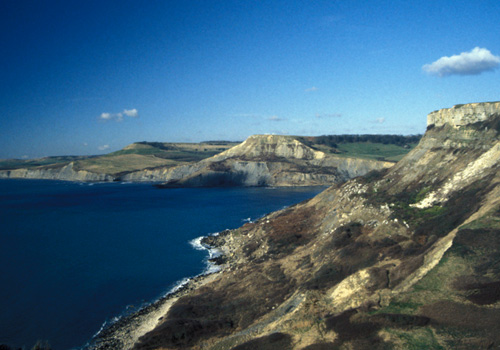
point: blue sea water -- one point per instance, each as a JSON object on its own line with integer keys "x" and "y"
{"x": 73, "y": 256}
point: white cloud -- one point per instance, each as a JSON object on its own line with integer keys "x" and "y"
{"x": 467, "y": 63}
{"x": 131, "y": 113}
{"x": 85, "y": 144}
{"x": 103, "y": 147}
{"x": 380, "y": 120}
{"x": 314, "y": 88}
{"x": 112, "y": 116}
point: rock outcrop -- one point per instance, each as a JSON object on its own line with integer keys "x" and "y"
{"x": 462, "y": 115}
{"x": 404, "y": 258}
{"x": 263, "y": 160}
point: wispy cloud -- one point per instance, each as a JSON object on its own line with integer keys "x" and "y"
{"x": 275, "y": 118}
{"x": 476, "y": 61}
{"x": 328, "y": 115}
{"x": 111, "y": 116}
{"x": 380, "y": 120}
{"x": 103, "y": 147}
{"x": 133, "y": 113}
{"x": 313, "y": 88}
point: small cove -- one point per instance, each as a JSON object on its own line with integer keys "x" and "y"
{"x": 77, "y": 255}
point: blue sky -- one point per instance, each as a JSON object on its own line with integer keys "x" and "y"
{"x": 90, "y": 77}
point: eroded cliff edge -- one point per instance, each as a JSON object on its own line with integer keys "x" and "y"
{"x": 407, "y": 257}
{"x": 65, "y": 172}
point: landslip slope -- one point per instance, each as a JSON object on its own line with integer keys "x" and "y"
{"x": 403, "y": 258}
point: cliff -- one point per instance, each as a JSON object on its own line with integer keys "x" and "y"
{"x": 462, "y": 115}
{"x": 404, "y": 258}
{"x": 272, "y": 146}
{"x": 263, "y": 160}
{"x": 58, "y": 172}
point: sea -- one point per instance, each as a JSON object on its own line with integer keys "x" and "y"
{"x": 74, "y": 257}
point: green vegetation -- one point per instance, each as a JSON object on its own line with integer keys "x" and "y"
{"x": 399, "y": 140}
{"x": 421, "y": 194}
{"x": 428, "y": 218}
{"x": 436, "y": 280}
{"x": 486, "y": 222}
{"x": 142, "y": 155}
{"x": 417, "y": 339}
{"x": 8, "y": 164}
{"x": 378, "y": 151}
{"x": 137, "y": 156}
{"x": 378, "y": 147}
{"x": 398, "y": 307}
{"x": 180, "y": 152}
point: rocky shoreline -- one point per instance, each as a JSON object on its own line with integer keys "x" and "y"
{"x": 126, "y": 331}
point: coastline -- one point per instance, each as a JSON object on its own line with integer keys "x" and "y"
{"x": 83, "y": 330}
{"x": 126, "y": 330}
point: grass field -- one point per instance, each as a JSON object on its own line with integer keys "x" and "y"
{"x": 369, "y": 150}
{"x": 390, "y": 148}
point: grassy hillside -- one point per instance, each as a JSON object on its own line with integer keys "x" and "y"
{"x": 7, "y": 164}
{"x": 137, "y": 156}
{"x": 142, "y": 155}
{"x": 180, "y": 152}
{"x": 379, "y": 147}
{"x": 370, "y": 150}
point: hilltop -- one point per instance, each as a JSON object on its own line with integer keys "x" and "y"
{"x": 402, "y": 258}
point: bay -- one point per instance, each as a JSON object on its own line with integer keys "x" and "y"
{"x": 76, "y": 255}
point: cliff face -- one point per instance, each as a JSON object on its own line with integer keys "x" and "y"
{"x": 272, "y": 146}
{"x": 64, "y": 172}
{"x": 263, "y": 160}
{"x": 406, "y": 258}
{"x": 462, "y": 115}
